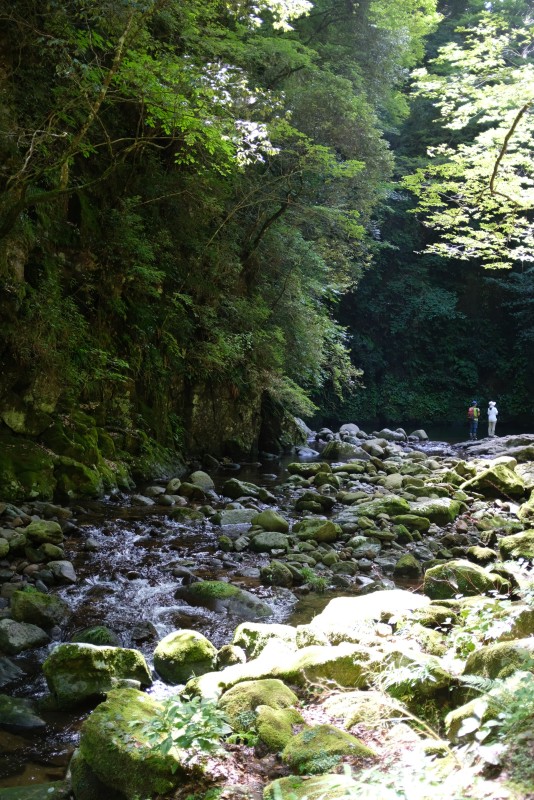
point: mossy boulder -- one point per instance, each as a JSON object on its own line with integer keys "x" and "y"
{"x": 276, "y": 727}
{"x": 221, "y": 596}
{"x": 38, "y": 608}
{"x": 343, "y": 664}
{"x": 502, "y": 659}
{"x": 323, "y": 502}
{"x": 114, "y": 744}
{"x": 440, "y": 510}
{"x": 44, "y": 530}
{"x": 412, "y": 522}
{"x": 78, "y": 673}
{"x": 202, "y": 479}
{"x": 392, "y": 505}
{"x": 339, "y": 451}
{"x": 318, "y": 529}
{"x": 254, "y": 637}
{"x": 235, "y": 488}
{"x": 269, "y": 520}
{"x": 460, "y": 577}
{"x": 276, "y": 573}
{"x": 96, "y": 634}
{"x": 235, "y": 516}
{"x": 26, "y": 470}
{"x": 318, "y": 787}
{"x": 241, "y": 701}
{"x": 15, "y": 637}
{"x": 519, "y": 545}
{"x": 183, "y": 654}
{"x": 316, "y": 750}
{"x": 407, "y": 567}
{"x": 267, "y": 541}
{"x": 18, "y": 714}
{"x": 308, "y": 468}
{"x": 76, "y": 480}
{"x": 498, "y": 480}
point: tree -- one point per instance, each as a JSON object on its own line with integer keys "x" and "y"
{"x": 477, "y": 191}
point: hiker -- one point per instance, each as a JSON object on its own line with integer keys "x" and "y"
{"x": 473, "y": 413}
{"x": 492, "y": 417}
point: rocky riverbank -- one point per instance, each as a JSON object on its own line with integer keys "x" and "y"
{"x": 367, "y": 513}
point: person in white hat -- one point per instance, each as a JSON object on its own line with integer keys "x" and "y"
{"x": 492, "y": 417}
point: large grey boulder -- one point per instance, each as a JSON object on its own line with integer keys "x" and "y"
{"x": 15, "y": 637}
{"x": 18, "y": 714}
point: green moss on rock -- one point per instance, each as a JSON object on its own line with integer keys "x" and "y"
{"x": 114, "y": 744}
{"x": 241, "y": 701}
{"x": 26, "y": 470}
{"x": 315, "y": 750}
{"x": 276, "y": 727}
{"x": 76, "y": 673}
{"x": 184, "y": 654}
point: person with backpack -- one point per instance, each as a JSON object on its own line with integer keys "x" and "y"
{"x": 473, "y": 414}
{"x": 492, "y": 417}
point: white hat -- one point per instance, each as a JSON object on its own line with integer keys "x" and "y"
{"x": 492, "y": 402}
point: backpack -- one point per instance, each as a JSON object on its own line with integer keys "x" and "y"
{"x": 472, "y": 412}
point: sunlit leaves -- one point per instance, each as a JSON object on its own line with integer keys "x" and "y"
{"x": 479, "y": 194}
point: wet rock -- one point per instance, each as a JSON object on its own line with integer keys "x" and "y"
{"x": 184, "y": 654}
{"x": 407, "y": 567}
{"x": 268, "y": 542}
{"x": 98, "y": 635}
{"x": 15, "y": 637}
{"x": 142, "y": 500}
{"x": 221, "y": 596}
{"x": 339, "y": 451}
{"x": 41, "y": 531}
{"x": 76, "y": 673}
{"x": 234, "y": 488}
{"x": 39, "y": 609}
{"x": 63, "y": 572}
{"x": 9, "y": 671}
{"x": 277, "y": 573}
{"x": 270, "y": 520}
{"x": 18, "y": 715}
{"x": 318, "y": 529}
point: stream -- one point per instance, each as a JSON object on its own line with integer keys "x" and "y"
{"x": 124, "y": 556}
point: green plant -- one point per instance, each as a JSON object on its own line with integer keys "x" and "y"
{"x": 192, "y": 724}
{"x": 315, "y": 582}
{"x": 503, "y": 722}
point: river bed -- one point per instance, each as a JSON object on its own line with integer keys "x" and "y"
{"x": 125, "y": 581}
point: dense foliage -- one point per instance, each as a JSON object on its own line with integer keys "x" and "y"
{"x": 430, "y": 327}
{"x": 186, "y": 191}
